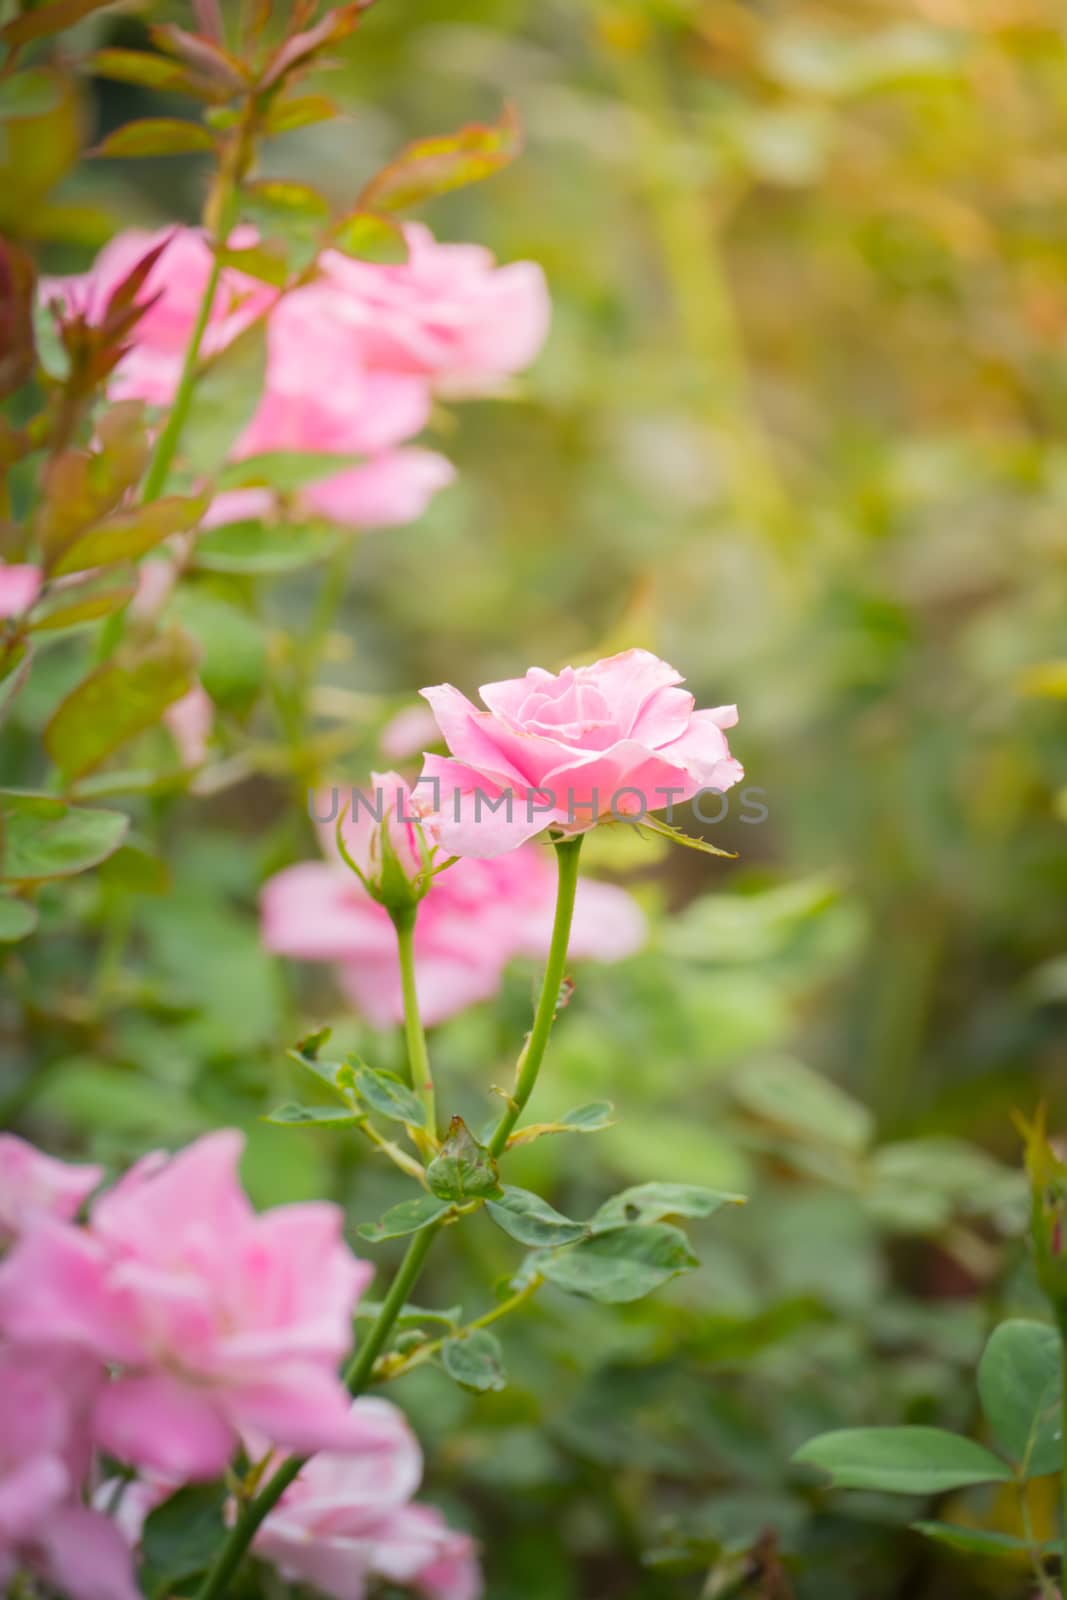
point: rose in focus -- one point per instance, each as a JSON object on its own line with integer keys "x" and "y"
{"x": 616, "y": 739}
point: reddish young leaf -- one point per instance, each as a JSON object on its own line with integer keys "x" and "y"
{"x": 17, "y": 351}
{"x": 215, "y": 64}
{"x": 433, "y": 166}
{"x": 299, "y": 47}
{"x": 47, "y": 20}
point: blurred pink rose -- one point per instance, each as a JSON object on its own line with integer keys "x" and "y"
{"x": 19, "y": 587}
{"x": 346, "y": 1522}
{"x": 476, "y": 918}
{"x": 408, "y": 733}
{"x": 448, "y": 311}
{"x": 44, "y": 1456}
{"x": 387, "y": 491}
{"x": 618, "y": 738}
{"x": 219, "y": 1319}
{"x": 172, "y": 292}
{"x": 189, "y": 722}
{"x": 33, "y": 1185}
{"x": 321, "y": 392}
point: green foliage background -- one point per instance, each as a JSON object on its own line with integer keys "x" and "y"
{"x": 799, "y": 428}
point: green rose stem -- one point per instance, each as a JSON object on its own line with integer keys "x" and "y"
{"x": 418, "y": 1055}
{"x": 567, "y": 853}
{"x": 361, "y": 1368}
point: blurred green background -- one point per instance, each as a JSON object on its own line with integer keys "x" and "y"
{"x": 799, "y": 428}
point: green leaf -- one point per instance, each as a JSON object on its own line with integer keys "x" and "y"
{"x": 902, "y": 1460}
{"x": 651, "y": 1202}
{"x": 410, "y": 1316}
{"x": 463, "y": 1169}
{"x": 285, "y": 470}
{"x": 408, "y": 1217}
{"x": 1021, "y": 1388}
{"x": 92, "y": 602}
{"x": 369, "y": 237}
{"x": 227, "y": 393}
{"x": 181, "y": 1536}
{"x": 531, "y": 1220}
{"x": 591, "y": 1118}
{"x": 975, "y": 1541}
{"x": 434, "y": 166}
{"x": 790, "y": 1095}
{"x": 619, "y": 1264}
{"x": 122, "y": 698}
{"x": 129, "y": 534}
{"x": 291, "y": 1115}
{"x": 285, "y": 196}
{"x": 299, "y": 111}
{"x": 386, "y": 1094}
{"x": 258, "y": 548}
{"x": 155, "y": 136}
{"x": 337, "y": 1075}
{"x": 475, "y": 1360}
{"x": 45, "y": 838}
{"x": 17, "y": 919}
{"x": 45, "y": 20}
{"x": 676, "y": 836}
{"x": 263, "y": 262}
{"x": 143, "y": 68}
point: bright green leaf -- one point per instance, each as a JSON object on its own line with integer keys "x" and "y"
{"x": 651, "y": 1202}
{"x": 155, "y": 136}
{"x": 386, "y": 1094}
{"x": 291, "y": 1115}
{"x": 17, "y": 919}
{"x": 45, "y": 838}
{"x": 408, "y": 1217}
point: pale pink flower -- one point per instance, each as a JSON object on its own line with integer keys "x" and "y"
{"x": 447, "y": 312}
{"x": 172, "y": 293}
{"x": 476, "y": 918}
{"x": 346, "y": 1521}
{"x": 33, "y": 1185}
{"x": 217, "y": 1318}
{"x": 189, "y": 722}
{"x": 20, "y": 584}
{"x": 565, "y": 750}
{"x": 321, "y": 393}
{"x": 387, "y": 491}
{"x": 408, "y": 733}
{"x": 44, "y": 1456}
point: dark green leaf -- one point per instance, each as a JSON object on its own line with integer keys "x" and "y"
{"x": 620, "y": 1264}
{"x": 902, "y": 1460}
{"x": 386, "y": 1094}
{"x": 122, "y": 698}
{"x": 1020, "y": 1384}
{"x": 291, "y": 1115}
{"x": 974, "y": 1541}
{"x": 407, "y": 1217}
{"x": 411, "y": 1316}
{"x": 531, "y": 1220}
{"x": 475, "y": 1360}
{"x": 463, "y": 1169}
{"x": 651, "y": 1202}
{"x": 181, "y": 1536}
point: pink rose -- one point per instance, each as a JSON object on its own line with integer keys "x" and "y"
{"x": 189, "y": 722}
{"x": 476, "y": 918}
{"x": 384, "y": 492}
{"x": 346, "y": 1522}
{"x": 321, "y": 392}
{"x": 219, "y": 1319}
{"x": 566, "y": 750}
{"x": 447, "y": 312}
{"x": 408, "y": 733}
{"x": 33, "y": 1185}
{"x": 19, "y": 587}
{"x": 44, "y": 1456}
{"x": 172, "y": 293}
